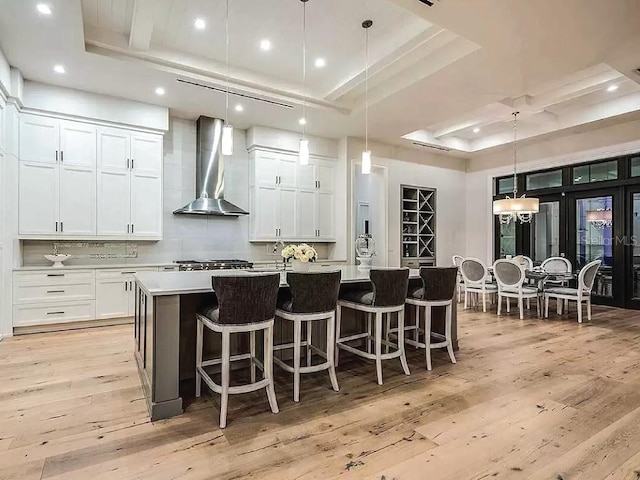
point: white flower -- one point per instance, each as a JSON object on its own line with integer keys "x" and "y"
{"x": 298, "y": 253}
{"x": 288, "y": 251}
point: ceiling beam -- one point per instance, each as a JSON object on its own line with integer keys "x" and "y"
{"x": 142, "y": 22}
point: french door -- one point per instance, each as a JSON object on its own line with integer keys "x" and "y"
{"x": 595, "y": 231}
{"x": 632, "y": 248}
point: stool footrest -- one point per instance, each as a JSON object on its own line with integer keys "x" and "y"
{"x": 370, "y": 356}
{"x": 251, "y": 387}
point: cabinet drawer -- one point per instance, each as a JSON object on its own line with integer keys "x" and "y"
{"x": 123, "y": 273}
{"x": 53, "y": 277}
{"x": 26, "y": 293}
{"x": 43, "y": 314}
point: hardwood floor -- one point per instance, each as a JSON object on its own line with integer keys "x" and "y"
{"x": 533, "y": 399}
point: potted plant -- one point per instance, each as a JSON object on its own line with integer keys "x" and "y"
{"x": 301, "y": 256}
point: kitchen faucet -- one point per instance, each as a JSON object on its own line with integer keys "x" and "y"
{"x": 279, "y": 244}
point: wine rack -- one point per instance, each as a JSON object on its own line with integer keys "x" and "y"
{"x": 418, "y": 231}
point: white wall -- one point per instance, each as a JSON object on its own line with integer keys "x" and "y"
{"x": 49, "y": 98}
{"x": 425, "y": 169}
{"x": 608, "y": 141}
{"x": 5, "y": 74}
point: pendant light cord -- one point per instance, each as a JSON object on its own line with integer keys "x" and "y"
{"x": 304, "y": 68}
{"x": 366, "y": 91}
{"x": 515, "y": 153}
{"x": 226, "y": 116}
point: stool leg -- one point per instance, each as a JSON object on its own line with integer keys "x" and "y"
{"x": 387, "y": 328}
{"x": 416, "y": 332}
{"x": 252, "y": 349}
{"x": 309, "y": 330}
{"x": 226, "y": 360}
{"x": 338, "y": 316}
{"x": 199, "y": 340}
{"x": 369, "y": 331}
{"x": 466, "y": 299}
{"x": 403, "y": 358}
{"x": 297, "y": 340}
{"x": 427, "y": 336}
{"x": 378, "y": 333}
{"x": 331, "y": 340}
{"x": 268, "y": 368}
{"x": 447, "y": 333}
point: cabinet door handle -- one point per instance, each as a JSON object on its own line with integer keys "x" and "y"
{"x": 55, "y": 274}
{"x": 132, "y": 164}
{"x": 126, "y": 285}
{"x": 131, "y": 285}
{"x": 55, "y": 313}
{"x": 56, "y": 156}
{"x": 127, "y": 273}
{"x": 127, "y": 164}
{"x": 56, "y": 226}
{"x": 55, "y": 291}
{"x": 61, "y": 226}
{"x": 127, "y": 228}
{"x": 132, "y": 229}
{"x": 61, "y": 156}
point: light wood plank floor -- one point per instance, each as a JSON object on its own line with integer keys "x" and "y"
{"x": 533, "y": 399}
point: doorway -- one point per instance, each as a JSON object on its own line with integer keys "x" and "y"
{"x": 369, "y": 209}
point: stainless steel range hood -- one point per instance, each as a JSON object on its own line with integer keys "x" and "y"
{"x": 210, "y": 174}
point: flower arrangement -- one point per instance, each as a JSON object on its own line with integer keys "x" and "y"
{"x": 303, "y": 252}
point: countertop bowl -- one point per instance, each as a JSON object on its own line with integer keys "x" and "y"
{"x": 57, "y": 259}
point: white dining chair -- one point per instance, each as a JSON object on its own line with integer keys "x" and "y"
{"x": 510, "y": 278}
{"x": 457, "y": 261}
{"x": 580, "y": 295}
{"x": 557, "y": 265}
{"x": 524, "y": 261}
{"x": 475, "y": 275}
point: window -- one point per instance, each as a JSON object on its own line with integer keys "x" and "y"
{"x": 598, "y": 172}
{"x": 552, "y": 179}
{"x": 635, "y": 167}
{"x": 505, "y": 185}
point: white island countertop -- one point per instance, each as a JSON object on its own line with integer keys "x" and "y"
{"x": 182, "y": 283}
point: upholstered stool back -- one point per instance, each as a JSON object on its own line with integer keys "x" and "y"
{"x": 389, "y": 286}
{"x": 313, "y": 292}
{"x": 439, "y": 283}
{"x": 244, "y": 299}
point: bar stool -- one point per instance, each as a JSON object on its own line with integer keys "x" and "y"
{"x": 385, "y": 295}
{"x": 438, "y": 290}
{"x": 246, "y": 303}
{"x": 312, "y": 296}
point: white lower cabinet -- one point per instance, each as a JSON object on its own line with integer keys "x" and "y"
{"x": 51, "y": 296}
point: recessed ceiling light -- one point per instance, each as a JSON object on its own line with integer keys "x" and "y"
{"x": 265, "y": 45}
{"x": 44, "y": 9}
{"x": 302, "y": 121}
{"x": 199, "y": 24}
{"x": 612, "y": 88}
{"x": 59, "y": 69}
{"x": 160, "y": 91}
{"x": 320, "y": 62}
{"x": 476, "y": 130}
{"x": 239, "y": 108}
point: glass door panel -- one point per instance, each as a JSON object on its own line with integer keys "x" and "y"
{"x": 635, "y": 246}
{"x": 545, "y": 232}
{"x": 594, "y": 239}
{"x": 507, "y": 239}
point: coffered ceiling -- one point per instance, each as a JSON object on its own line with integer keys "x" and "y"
{"x": 447, "y": 76}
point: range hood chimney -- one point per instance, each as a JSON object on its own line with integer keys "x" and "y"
{"x": 210, "y": 174}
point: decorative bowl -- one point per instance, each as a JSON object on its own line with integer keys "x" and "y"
{"x": 57, "y": 259}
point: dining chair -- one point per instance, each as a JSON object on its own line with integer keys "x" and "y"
{"x": 245, "y": 304}
{"x": 580, "y": 295}
{"x": 475, "y": 275}
{"x": 312, "y": 298}
{"x": 557, "y": 265}
{"x": 457, "y": 261}
{"x": 510, "y": 277}
{"x": 524, "y": 261}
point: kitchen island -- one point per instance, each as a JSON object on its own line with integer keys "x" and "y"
{"x": 164, "y": 330}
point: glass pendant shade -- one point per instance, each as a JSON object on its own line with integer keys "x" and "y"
{"x": 227, "y": 140}
{"x": 366, "y": 162}
{"x": 520, "y": 208}
{"x": 303, "y": 155}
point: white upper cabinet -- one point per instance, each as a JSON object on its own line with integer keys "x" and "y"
{"x": 77, "y": 201}
{"x": 38, "y": 198}
{"x": 114, "y": 149}
{"x": 80, "y": 180}
{"x": 39, "y": 138}
{"x": 77, "y": 144}
{"x": 292, "y": 202}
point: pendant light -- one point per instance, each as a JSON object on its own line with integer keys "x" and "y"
{"x": 227, "y": 130}
{"x": 516, "y": 208}
{"x": 366, "y": 155}
{"x": 303, "y": 154}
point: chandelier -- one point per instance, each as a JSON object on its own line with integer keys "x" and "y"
{"x": 515, "y": 208}
{"x": 600, "y": 218}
